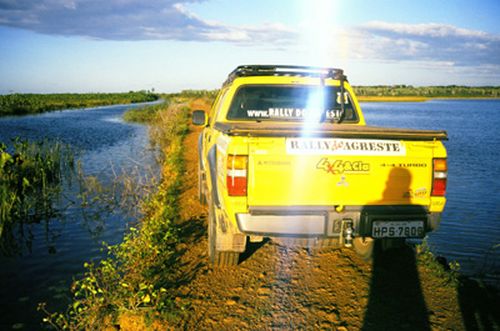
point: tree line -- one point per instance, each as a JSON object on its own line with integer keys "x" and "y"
{"x": 20, "y": 104}
{"x": 449, "y": 91}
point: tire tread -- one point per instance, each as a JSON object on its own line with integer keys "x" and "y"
{"x": 226, "y": 258}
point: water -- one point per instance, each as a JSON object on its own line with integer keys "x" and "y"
{"x": 45, "y": 270}
{"x": 470, "y": 227}
{"x": 54, "y": 251}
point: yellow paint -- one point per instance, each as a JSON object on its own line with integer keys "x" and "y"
{"x": 278, "y": 178}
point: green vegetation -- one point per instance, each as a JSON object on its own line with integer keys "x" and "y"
{"x": 452, "y": 91}
{"x": 145, "y": 114}
{"x": 30, "y": 180}
{"x": 449, "y": 272}
{"x": 21, "y": 104}
{"x": 395, "y": 93}
{"x": 132, "y": 283}
{"x": 209, "y": 94}
{"x": 150, "y": 114}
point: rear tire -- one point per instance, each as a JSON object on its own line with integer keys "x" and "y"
{"x": 364, "y": 247}
{"x": 216, "y": 257}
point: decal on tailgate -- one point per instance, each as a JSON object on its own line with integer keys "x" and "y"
{"x": 336, "y": 167}
{"x": 325, "y": 146}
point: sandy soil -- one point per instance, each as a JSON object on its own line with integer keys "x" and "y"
{"x": 277, "y": 287}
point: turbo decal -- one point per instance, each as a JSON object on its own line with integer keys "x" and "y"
{"x": 404, "y": 165}
{"x": 314, "y": 146}
{"x": 337, "y": 167}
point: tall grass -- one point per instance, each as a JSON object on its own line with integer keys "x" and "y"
{"x": 30, "y": 180}
{"x": 145, "y": 114}
{"x": 208, "y": 94}
{"x": 125, "y": 192}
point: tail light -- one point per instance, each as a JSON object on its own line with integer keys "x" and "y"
{"x": 440, "y": 175}
{"x": 236, "y": 178}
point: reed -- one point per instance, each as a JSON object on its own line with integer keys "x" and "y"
{"x": 31, "y": 177}
{"x": 146, "y": 114}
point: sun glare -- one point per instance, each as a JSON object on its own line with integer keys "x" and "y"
{"x": 318, "y": 30}
{"x": 318, "y": 35}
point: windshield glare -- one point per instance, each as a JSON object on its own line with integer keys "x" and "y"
{"x": 290, "y": 103}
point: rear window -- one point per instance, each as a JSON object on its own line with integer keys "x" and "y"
{"x": 290, "y": 103}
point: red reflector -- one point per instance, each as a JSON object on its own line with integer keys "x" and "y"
{"x": 236, "y": 186}
{"x": 439, "y": 187}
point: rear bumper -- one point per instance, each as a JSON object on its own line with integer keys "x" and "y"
{"x": 283, "y": 225}
{"x": 326, "y": 221}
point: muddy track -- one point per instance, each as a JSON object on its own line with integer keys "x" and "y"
{"x": 289, "y": 288}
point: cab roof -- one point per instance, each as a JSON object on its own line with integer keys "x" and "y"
{"x": 284, "y": 70}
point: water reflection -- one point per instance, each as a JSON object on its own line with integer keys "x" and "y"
{"x": 54, "y": 248}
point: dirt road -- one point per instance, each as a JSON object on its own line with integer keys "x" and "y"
{"x": 289, "y": 288}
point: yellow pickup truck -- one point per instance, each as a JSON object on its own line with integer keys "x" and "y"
{"x": 285, "y": 153}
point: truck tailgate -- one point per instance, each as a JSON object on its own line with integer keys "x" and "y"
{"x": 297, "y": 171}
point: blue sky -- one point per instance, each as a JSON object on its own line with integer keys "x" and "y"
{"x": 170, "y": 45}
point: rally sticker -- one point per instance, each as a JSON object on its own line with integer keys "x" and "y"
{"x": 336, "y": 167}
{"x": 293, "y": 113}
{"x": 324, "y": 146}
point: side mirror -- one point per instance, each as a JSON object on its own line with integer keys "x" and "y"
{"x": 199, "y": 118}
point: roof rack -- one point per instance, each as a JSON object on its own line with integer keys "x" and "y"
{"x": 283, "y": 70}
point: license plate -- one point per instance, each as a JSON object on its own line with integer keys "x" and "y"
{"x": 400, "y": 229}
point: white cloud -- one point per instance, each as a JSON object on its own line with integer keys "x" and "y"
{"x": 435, "y": 30}
{"x": 427, "y": 42}
{"x": 129, "y": 20}
{"x": 267, "y": 33}
{"x": 432, "y": 43}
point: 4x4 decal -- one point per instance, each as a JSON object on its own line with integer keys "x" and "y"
{"x": 337, "y": 167}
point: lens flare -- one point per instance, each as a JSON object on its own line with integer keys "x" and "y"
{"x": 318, "y": 31}
{"x": 314, "y": 110}
{"x": 318, "y": 34}
{"x": 318, "y": 39}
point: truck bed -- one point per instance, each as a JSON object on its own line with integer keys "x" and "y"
{"x": 327, "y": 130}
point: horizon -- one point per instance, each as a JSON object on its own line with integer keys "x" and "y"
{"x": 77, "y": 46}
{"x": 217, "y": 88}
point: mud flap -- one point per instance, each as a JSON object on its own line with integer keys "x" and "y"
{"x": 227, "y": 239}
{"x": 231, "y": 242}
